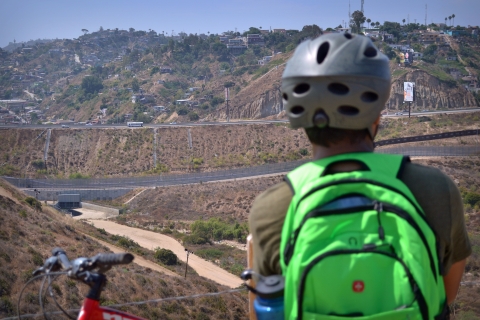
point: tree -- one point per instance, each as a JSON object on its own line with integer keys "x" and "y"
{"x": 453, "y": 17}
{"x": 165, "y": 256}
{"x": 372, "y": 24}
{"x": 85, "y": 31}
{"x": 357, "y": 19}
{"x": 377, "y": 24}
{"x": 33, "y": 117}
{"x": 131, "y": 30}
{"x": 193, "y": 116}
{"x": 369, "y": 20}
{"x": 446, "y": 21}
{"x": 135, "y": 85}
{"x": 92, "y": 84}
{"x": 403, "y": 21}
{"x": 101, "y": 29}
{"x": 450, "y": 18}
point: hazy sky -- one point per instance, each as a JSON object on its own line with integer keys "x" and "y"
{"x": 24, "y": 20}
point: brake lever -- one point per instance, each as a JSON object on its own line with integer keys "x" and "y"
{"x": 50, "y": 265}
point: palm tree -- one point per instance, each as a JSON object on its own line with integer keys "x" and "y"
{"x": 377, "y": 24}
{"x": 369, "y": 20}
{"x": 372, "y": 24}
{"x": 403, "y": 21}
{"x": 453, "y": 17}
{"x": 450, "y": 18}
{"x": 446, "y": 21}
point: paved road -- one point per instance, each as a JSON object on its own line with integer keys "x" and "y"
{"x": 151, "y": 240}
{"x": 193, "y": 124}
{"x": 93, "y": 185}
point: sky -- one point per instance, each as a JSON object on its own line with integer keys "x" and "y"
{"x": 24, "y": 20}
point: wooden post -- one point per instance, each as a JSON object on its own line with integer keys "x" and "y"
{"x": 251, "y": 295}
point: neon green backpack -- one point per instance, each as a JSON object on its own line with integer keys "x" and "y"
{"x": 356, "y": 245}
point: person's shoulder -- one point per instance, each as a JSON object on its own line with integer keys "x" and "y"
{"x": 422, "y": 173}
{"x": 275, "y": 193}
{"x": 276, "y": 198}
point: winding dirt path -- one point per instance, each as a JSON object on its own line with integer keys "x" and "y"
{"x": 151, "y": 240}
{"x": 138, "y": 260}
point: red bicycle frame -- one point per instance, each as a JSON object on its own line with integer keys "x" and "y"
{"x": 91, "y": 310}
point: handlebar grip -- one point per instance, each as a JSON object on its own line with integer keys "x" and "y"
{"x": 62, "y": 256}
{"x": 113, "y": 258}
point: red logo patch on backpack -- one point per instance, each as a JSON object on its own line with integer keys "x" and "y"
{"x": 358, "y": 286}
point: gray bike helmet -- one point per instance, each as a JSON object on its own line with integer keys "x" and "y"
{"x": 336, "y": 80}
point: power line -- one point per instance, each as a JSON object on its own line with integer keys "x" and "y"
{"x": 25, "y": 316}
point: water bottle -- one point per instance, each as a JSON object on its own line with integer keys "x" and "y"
{"x": 269, "y": 303}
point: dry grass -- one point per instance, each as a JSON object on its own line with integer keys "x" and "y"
{"x": 26, "y": 238}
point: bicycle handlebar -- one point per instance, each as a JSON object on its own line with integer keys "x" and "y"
{"x": 102, "y": 262}
{"x": 112, "y": 258}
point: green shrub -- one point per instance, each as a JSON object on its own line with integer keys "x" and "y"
{"x": 303, "y": 152}
{"x": 165, "y": 256}
{"x": 209, "y": 254}
{"x": 39, "y": 164}
{"x": 78, "y": 175}
{"x": 34, "y": 203}
{"x": 472, "y": 198}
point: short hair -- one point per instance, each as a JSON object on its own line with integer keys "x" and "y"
{"x": 327, "y": 136}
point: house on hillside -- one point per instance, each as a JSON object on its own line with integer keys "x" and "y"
{"x": 387, "y": 37}
{"x": 265, "y": 60}
{"x": 236, "y": 46}
{"x": 13, "y": 105}
{"x": 344, "y": 30}
{"x": 159, "y": 109}
{"x": 165, "y": 69}
{"x": 282, "y": 31}
{"x": 224, "y": 39}
{"x": 254, "y": 39}
{"x": 143, "y": 98}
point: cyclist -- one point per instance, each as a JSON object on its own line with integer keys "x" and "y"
{"x": 335, "y": 87}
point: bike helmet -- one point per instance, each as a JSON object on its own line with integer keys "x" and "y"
{"x": 336, "y": 80}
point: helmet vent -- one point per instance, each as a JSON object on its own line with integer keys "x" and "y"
{"x": 348, "y": 110}
{"x": 348, "y": 35}
{"x": 322, "y": 52}
{"x": 301, "y": 88}
{"x": 285, "y": 96}
{"x": 338, "y": 88}
{"x": 369, "y": 96}
{"x": 370, "y": 52}
{"x": 297, "y": 110}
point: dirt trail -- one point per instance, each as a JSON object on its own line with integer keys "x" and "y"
{"x": 151, "y": 240}
{"x": 138, "y": 260}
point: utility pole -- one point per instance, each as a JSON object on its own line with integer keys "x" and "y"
{"x": 186, "y": 265}
{"x": 426, "y": 7}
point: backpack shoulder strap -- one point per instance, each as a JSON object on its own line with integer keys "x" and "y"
{"x": 384, "y": 164}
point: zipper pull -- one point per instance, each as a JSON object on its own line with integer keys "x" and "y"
{"x": 378, "y": 206}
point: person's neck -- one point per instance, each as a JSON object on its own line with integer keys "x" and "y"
{"x": 320, "y": 152}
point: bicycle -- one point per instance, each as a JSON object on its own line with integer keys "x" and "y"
{"x": 90, "y": 271}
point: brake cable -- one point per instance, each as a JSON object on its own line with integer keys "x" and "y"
{"x": 25, "y": 285}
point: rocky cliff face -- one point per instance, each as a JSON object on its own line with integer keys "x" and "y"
{"x": 431, "y": 93}
{"x": 260, "y": 99}
{"x": 266, "y": 104}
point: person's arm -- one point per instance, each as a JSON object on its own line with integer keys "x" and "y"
{"x": 266, "y": 221}
{"x": 453, "y": 278}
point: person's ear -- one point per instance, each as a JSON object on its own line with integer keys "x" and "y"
{"x": 375, "y": 126}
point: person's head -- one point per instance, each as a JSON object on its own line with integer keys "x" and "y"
{"x": 335, "y": 87}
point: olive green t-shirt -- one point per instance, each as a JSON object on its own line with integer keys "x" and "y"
{"x": 436, "y": 193}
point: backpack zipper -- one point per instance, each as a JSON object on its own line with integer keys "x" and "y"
{"x": 377, "y": 206}
{"x": 413, "y": 284}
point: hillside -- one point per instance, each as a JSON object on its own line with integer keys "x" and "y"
{"x": 125, "y": 152}
{"x": 27, "y": 237}
{"x": 114, "y": 76}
